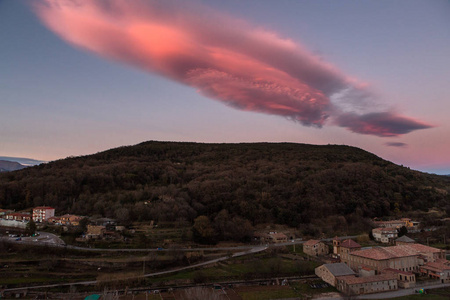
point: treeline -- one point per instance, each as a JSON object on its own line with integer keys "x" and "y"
{"x": 327, "y": 187}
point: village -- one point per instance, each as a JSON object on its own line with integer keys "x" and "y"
{"x": 393, "y": 262}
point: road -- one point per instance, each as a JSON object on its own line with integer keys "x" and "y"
{"x": 402, "y": 292}
{"x": 43, "y": 238}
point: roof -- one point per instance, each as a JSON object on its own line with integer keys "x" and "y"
{"x": 385, "y": 229}
{"x": 380, "y": 253}
{"x": 350, "y": 244}
{"x": 375, "y": 278}
{"x": 43, "y": 207}
{"x": 423, "y": 249}
{"x": 436, "y": 266}
{"x": 390, "y": 270}
{"x": 405, "y": 239}
{"x": 311, "y": 242}
{"x": 278, "y": 235}
{"x": 339, "y": 269}
{"x": 17, "y": 214}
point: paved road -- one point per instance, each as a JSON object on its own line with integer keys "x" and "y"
{"x": 44, "y": 238}
{"x": 393, "y": 294}
{"x": 402, "y": 292}
{"x": 93, "y": 282}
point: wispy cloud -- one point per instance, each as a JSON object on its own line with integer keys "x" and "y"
{"x": 396, "y": 144}
{"x": 223, "y": 58}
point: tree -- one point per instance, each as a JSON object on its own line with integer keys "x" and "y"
{"x": 203, "y": 230}
{"x": 402, "y": 231}
{"x": 31, "y": 227}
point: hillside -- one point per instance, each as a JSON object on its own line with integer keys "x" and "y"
{"x": 6, "y": 166}
{"x": 295, "y": 184}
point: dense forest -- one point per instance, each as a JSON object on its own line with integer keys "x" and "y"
{"x": 299, "y": 185}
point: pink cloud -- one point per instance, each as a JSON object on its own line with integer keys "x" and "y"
{"x": 223, "y": 58}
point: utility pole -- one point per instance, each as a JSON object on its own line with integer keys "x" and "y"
{"x": 143, "y": 267}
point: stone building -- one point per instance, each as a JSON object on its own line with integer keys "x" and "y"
{"x": 346, "y": 247}
{"x": 404, "y": 257}
{"x": 438, "y": 270}
{"x": 352, "y": 285}
{"x": 405, "y": 279}
{"x": 315, "y": 248}
{"x": 330, "y": 272}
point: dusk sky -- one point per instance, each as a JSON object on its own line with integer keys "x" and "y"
{"x": 79, "y": 77}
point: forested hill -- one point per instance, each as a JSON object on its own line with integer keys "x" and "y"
{"x": 281, "y": 183}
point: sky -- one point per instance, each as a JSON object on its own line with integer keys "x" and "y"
{"x": 79, "y": 77}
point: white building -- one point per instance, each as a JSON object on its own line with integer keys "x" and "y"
{"x": 385, "y": 235}
{"x": 42, "y": 213}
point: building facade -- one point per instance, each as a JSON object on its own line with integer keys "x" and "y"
{"x": 330, "y": 272}
{"x": 385, "y": 235}
{"x": 42, "y": 213}
{"x": 352, "y": 285}
{"x": 315, "y": 248}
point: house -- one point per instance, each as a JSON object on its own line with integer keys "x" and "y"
{"x": 404, "y": 240}
{"x": 4, "y": 212}
{"x": 405, "y": 279}
{"x": 23, "y": 217}
{"x": 107, "y": 222}
{"x": 271, "y": 237}
{"x": 390, "y": 224}
{"x": 385, "y": 234}
{"x": 352, "y": 285}
{"x": 54, "y": 220}
{"x": 95, "y": 231}
{"x": 71, "y": 220}
{"x": 346, "y": 247}
{"x": 315, "y": 248}
{"x": 438, "y": 270}
{"x": 277, "y": 237}
{"x": 42, "y": 213}
{"x": 330, "y": 272}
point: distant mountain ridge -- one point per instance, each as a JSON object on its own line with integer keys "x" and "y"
{"x": 7, "y": 166}
{"x": 23, "y": 161}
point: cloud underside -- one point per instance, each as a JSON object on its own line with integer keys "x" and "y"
{"x": 397, "y": 144}
{"x": 223, "y": 58}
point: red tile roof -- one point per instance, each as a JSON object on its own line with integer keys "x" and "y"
{"x": 311, "y": 242}
{"x": 436, "y": 266}
{"x": 350, "y": 244}
{"x": 380, "y": 253}
{"x": 423, "y": 249}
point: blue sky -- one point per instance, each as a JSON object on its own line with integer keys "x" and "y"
{"x": 59, "y": 99}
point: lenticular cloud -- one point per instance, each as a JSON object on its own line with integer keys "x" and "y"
{"x": 223, "y": 58}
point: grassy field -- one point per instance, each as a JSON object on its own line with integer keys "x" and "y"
{"x": 266, "y": 293}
